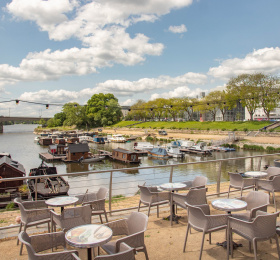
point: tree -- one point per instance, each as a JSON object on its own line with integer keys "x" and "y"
{"x": 212, "y": 103}
{"x": 59, "y": 118}
{"x": 73, "y": 112}
{"x": 103, "y": 109}
{"x": 187, "y": 105}
{"x": 244, "y": 88}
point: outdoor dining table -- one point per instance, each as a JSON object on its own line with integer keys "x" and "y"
{"x": 256, "y": 175}
{"x": 62, "y": 201}
{"x": 173, "y": 187}
{"x": 88, "y": 236}
{"x": 229, "y": 205}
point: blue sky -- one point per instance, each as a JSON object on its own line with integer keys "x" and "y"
{"x": 59, "y": 51}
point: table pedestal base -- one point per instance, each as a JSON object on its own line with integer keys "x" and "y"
{"x": 224, "y": 245}
{"x": 175, "y": 218}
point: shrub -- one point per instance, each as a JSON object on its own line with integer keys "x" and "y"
{"x": 208, "y": 129}
{"x": 235, "y": 129}
{"x": 223, "y": 129}
{"x": 162, "y": 127}
{"x": 245, "y": 129}
{"x": 10, "y": 206}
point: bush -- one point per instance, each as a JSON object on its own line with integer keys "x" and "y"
{"x": 235, "y": 129}
{"x": 208, "y": 129}
{"x": 223, "y": 129}
{"x": 10, "y": 206}
{"x": 253, "y": 147}
{"x": 245, "y": 129}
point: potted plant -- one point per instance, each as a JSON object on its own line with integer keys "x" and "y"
{"x": 23, "y": 190}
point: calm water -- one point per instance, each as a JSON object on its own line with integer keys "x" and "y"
{"x": 18, "y": 140}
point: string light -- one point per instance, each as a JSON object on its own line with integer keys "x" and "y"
{"x": 47, "y": 106}
{"x": 17, "y": 101}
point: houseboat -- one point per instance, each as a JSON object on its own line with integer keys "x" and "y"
{"x": 200, "y": 148}
{"x": 185, "y": 144}
{"x": 45, "y": 141}
{"x": 118, "y": 138}
{"x": 47, "y": 187}
{"x": 85, "y": 139}
{"x": 98, "y": 140}
{"x": 125, "y": 156}
{"x": 143, "y": 146}
{"x": 158, "y": 152}
{"x": 174, "y": 151}
{"x": 10, "y": 169}
{"x": 77, "y": 151}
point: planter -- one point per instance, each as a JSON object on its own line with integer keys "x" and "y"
{"x": 5, "y": 198}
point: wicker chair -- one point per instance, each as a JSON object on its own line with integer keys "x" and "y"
{"x": 263, "y": 227}
{"x": 42, "y": 242}
{"x": 271, "y": 186}
{"x": 97, "y": 202}
{"x": 256, "y": 200}
{"x": 125, "y": 253}
{"x": 238, "y": 182}
{"x": 151, "y": 196}
{"x": 197, "y": 182}
{"x": 33, "y": 213}
{"x": 272, "y": 171}
{"x": 133, "y": 228}
{"x": 193, "y": 197}
{"x": 71, "y": 217}
{"x": 199, "y": 218}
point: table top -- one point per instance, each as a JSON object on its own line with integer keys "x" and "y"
{"x": 87, "y": 236}
{"x": 255, "y": 174}
{"x": 173, "y": 186}
{"x": 61, "y": 201}
{"x": 229, "y": 204}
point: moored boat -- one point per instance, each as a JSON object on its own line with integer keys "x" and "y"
{"x": 118, "y": 138}
{"x": 92, "y": 159}
{"x": 48, "y": 187}
{"x": 158, "y": 152}
{"x": 143, "y": 146}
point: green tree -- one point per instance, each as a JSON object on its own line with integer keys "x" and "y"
{"x": 103, "y": 109}
{"x": 188, "y": 106}
{"x": 59, "y": 118}
{"x": 73, "y": 112}
{"x": 244, "y": 88}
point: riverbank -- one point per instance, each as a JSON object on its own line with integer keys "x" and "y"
{"x": 272, "y": 139}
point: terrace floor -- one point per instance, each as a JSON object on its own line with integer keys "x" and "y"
{"x": 166, "y": 242}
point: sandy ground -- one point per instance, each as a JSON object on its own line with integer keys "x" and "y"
{"x": 166, "y": 242}
{"x": 140, "y": 132}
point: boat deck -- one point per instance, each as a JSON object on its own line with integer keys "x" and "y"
{"x": 47, "y": 157}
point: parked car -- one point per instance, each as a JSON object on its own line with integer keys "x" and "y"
{"x": 162, "y": 132}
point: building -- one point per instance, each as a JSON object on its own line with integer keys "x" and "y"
{"x": 76, "y": 151}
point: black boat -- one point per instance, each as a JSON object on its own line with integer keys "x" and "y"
{"x": 47, "y": 187}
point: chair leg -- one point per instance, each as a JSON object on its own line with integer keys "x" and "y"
{"x": 188, "y": 228}
{"x": 100, "y": 219}
{"x": 149, "y": 210}
{"x": 228, "y": 191}
{"x": 250, "y": 246}
{"x": 241, "y": 192}
{"x": 21, "y": 246}
{"x": 105, "y": 213}
{"x": 227, "y": 238}
{"x": 255, "y": 248}
{"x": 201, "y": 248}
{"x": 139, "y": 205}
{"x": 274, "y": 201}
{"x": 20, "y": 227}
{"x": 277, "y": 244}
{"x": 157, "y": 211}
{"x": 210, "y": 238}
{"x": 145, "y": 252}
{"x": 49, "y": 227}
{"x": 231, "y": 244}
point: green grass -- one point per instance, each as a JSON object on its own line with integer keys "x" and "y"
{"x": 193, "y": 125}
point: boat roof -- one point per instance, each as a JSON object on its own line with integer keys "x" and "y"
{"x": 14, "y": 164}
{"x": 78, "y": 148}
{"x": 159, "y": 150}
{"x": 121, "y": 150}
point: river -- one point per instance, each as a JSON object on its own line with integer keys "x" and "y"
{"x": 18, "y": 140}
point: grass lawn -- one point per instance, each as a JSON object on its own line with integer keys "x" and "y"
{"x": 194, "y": 125}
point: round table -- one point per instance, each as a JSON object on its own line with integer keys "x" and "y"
{"x": 256, "y": 175}
{"x": 173, "y": 187}
{"x": 62, "y": 201}
{"x": 88, "y": 236}
{"x": 229, "y": 205}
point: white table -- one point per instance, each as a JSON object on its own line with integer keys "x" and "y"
{"x": 256, "y": 175}
{"x": 172, "y": 187}
{"x": 62, "y": 201}
{"x": 88, "y": 236}
{"x": 229, "y": 205}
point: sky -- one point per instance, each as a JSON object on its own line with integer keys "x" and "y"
{"x": 60, "y": 51}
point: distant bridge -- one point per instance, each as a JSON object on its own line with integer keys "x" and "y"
{"x": 18, "y": 118}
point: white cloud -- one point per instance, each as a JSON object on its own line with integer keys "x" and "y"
{"x": 101, "y": 28}
{"x": 177, "y": 29}
{"x": 178, "y": 92}
{"x": 265, "y": 60}
{"x": 128, "y": 102}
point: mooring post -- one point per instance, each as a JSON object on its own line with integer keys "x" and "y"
{"x": 171, "y": 174}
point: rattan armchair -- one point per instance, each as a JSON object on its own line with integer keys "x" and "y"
{"x": 151, "y": 196}
{"x": 33, "y": 213}
{"x": 238, "y": 182}
{"x": 97, "y": 202}
{"x": 42, "y": 242}
{"x": 272, "y": 171}
{"x": 263, "y": 227}
{"x": 197, "y": 182}
{"x": 133, "y": 228}
{"x": 271, "y": 186}
{"x": 71, "y": 217}
{"x": 125, "y": 253}
{"x": 199, "y": 218}
{"x": 256, "y": 200}
{"x": 193, "y": 197}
